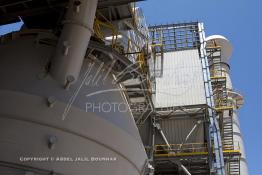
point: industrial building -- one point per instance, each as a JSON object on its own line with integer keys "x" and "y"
{"x": 87, "y": 87}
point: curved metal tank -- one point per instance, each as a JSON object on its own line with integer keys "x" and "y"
{"x": 39, "y": 118}
{"x": 236, "y": 99}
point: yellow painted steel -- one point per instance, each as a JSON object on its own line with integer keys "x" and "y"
{"x": 189, "y": 149}
{"x": 218, "y": 77}
{"x": 194, "y": 153}
{"x": 127, "y": 46}
{"x": 153, "y": 45}
{"x": 213, "y": 47}
{"x": 224, "y": 108}
{"x": 181, "y": 154}
{"x": 141, "y": 61}
{"x": 218, "y": 71}
{"x": 117, "y": 43}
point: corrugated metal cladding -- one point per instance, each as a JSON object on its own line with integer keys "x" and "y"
{"x": 182, "y": 81}
{"x": 176, "y": 130}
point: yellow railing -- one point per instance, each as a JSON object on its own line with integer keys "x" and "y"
{"x": 218, "y": 74}
{"x": 221, "y": 103}
{"x": 107, "y": 32}
{"x": 213, "y": 47}
{"x": 181, "y": 149}
{"x": 190, "y": 149}
{"x": 102, "y": 24}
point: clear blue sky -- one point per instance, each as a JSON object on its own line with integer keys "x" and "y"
{"x": 240, "y": 21}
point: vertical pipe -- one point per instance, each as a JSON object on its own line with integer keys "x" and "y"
{"x": 73, "y": 41}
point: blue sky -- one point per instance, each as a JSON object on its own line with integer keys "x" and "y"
{"x": 240, "y": 21}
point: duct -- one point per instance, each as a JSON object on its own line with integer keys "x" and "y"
{"x": 73, "y": 41}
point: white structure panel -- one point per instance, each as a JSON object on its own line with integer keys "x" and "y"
{"x": 182, "y": 81}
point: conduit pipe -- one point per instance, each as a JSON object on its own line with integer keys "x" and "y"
{"x": 157, "y": 125}
{"x": 185, "y": 169}
{"x": 179, "y": 164}
{"x": 73, "y": 41}
{"x": 190, "y": 133}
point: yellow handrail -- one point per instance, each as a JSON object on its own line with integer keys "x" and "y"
{"x": 191, "y": 148}
{"x": 130, "y": 49}
{"x": 98, "y": 29}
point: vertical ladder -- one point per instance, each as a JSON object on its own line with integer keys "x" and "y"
{"x": 214, "y": 139}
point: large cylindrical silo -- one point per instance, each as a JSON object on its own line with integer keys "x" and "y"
{"x": 88, "y": 125}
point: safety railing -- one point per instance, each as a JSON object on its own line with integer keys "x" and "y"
{"x": 175, "y": 37}
{"x": 219, "y": 87}
{"x": 214, "y": 46}
{"x": 218, "y": 74}
{"x": 235, "y": 148}
{"x": 223, "y": 104}
{"x": 213, "y": 51}
{"x": 119, "y": 41}
{"x": 181, "y": 149}
{"x": 190, "y": 149}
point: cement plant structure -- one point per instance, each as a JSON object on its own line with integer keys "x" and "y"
{"x": 72, "y": 58}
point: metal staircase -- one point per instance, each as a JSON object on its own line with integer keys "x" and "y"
{"x": 139, "y": 98}
{"x": 227, "y": 133}
{"x": 214, "y": 140}
{"x": 234, "y": 166}
{"x": 224, "y": 109}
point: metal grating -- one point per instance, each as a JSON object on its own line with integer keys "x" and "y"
{"x": 173, "y": 37}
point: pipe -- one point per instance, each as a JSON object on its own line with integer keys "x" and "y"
{"x": 185, "y": 169}
{"x": 179, "y": 164}
{"x": 193, "y": 129}
{"x": 190, "y": 133}
{"x": 157, "y": 125}
{"x": 165, "y": 139}
{"x": 73, "y": 41}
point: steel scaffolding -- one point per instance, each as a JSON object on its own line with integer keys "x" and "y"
{"x": 224, "y": 108}
{"x": 196, "y": 158}
{"x": 203, "y": 158}
{"x": 174, "y": 37}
